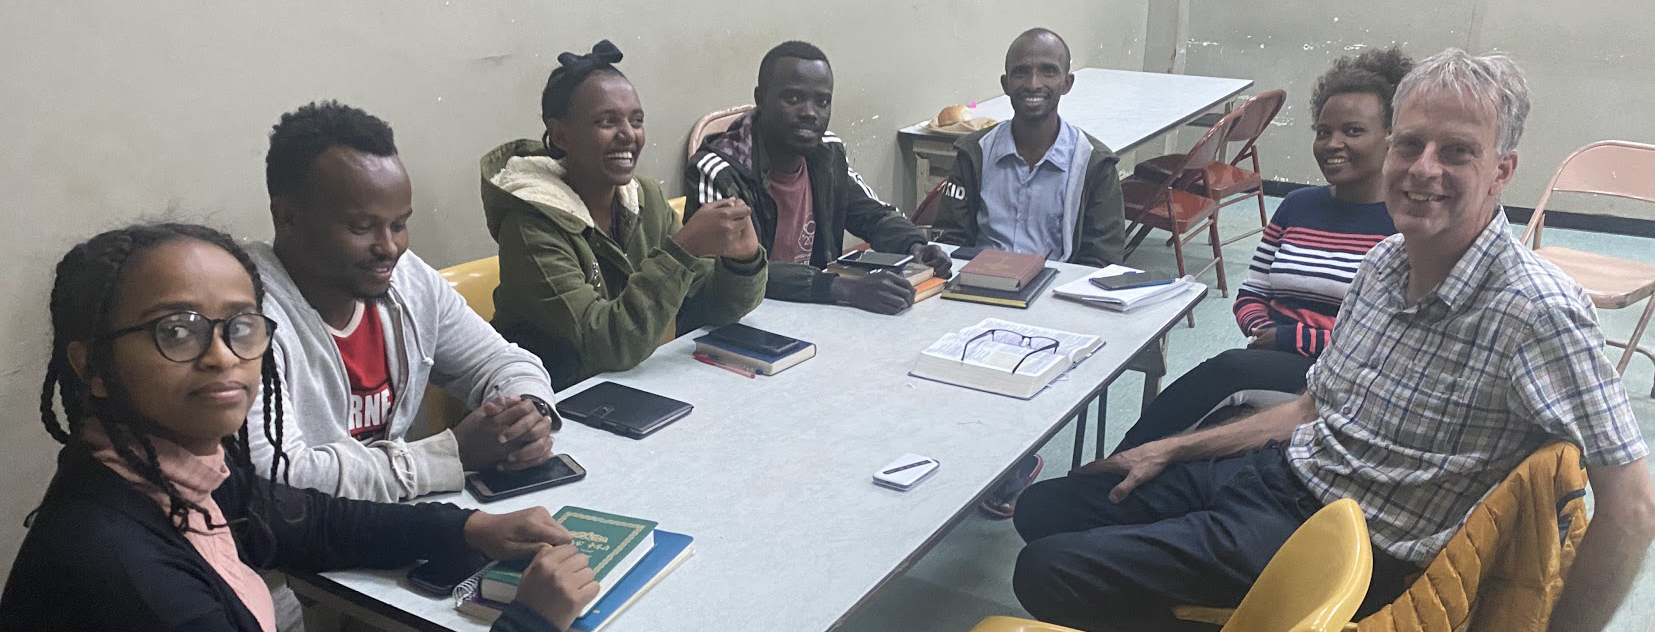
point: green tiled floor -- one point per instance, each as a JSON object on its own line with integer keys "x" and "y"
{"x": 968, "y": 575}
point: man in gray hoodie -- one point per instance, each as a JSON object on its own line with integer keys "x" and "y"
{"x": 363, "y": 326}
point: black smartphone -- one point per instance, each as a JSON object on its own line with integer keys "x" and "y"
{"x": 965, "y": 253}
{"x": 1132, "y": 280}
{"x": 871, "y": 259}
{"x": 752, "y": 338}
{"x": 492, "y": 485}
{"x": 440, "y": 577}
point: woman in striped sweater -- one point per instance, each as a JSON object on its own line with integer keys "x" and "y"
{"x": 1310, "y": 253}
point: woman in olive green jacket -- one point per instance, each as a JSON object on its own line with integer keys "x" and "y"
{"x": 595, "y": 268}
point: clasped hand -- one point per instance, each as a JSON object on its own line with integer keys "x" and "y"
{"x": 504, "y": 433}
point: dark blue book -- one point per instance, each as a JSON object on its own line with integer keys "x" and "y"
{"x": 747, "y": 358}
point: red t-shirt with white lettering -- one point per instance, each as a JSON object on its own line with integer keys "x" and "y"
{"x": 362, "y": 347}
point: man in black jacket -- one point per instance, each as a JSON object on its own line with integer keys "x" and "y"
{"x": 783, "y": 162}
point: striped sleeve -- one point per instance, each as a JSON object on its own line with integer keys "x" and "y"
{"x": 1252, "y": 306}
{"x": 830, "y": 137}
{"x": 1309, "y": 341}
{"x": 708, "y": 167}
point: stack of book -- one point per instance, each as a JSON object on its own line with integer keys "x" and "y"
{"x": 628, "y": 557}
{"x": 921, "y": 276}
{"x": 753, "y": 350}
{"x": 1003, "y": 357}
{"x": 1084, "y": 291}
{"x": 998, "y": 277}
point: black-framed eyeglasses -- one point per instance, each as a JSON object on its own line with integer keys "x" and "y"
{"x": 1035, "y": 344}
{"x": 186, "y": 336}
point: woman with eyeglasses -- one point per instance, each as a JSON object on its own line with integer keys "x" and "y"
{"x": 155, "y": 519}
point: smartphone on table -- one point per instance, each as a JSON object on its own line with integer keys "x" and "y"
{"x": 753, "y": 338}
{"x": 1132, "y": 280}
{"x": 871, "y": 260}
{"x": 492, "y": 485}
{"x": 440, "y": 577}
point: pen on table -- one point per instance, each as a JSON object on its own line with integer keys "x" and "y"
{"x": 707, "y": 360}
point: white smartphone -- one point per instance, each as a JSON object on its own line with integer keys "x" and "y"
{"x": 906, "y": 471}
{"x": 869, "y": 259}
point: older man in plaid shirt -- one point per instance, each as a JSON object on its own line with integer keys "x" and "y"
{"x": 1457, "y": 353}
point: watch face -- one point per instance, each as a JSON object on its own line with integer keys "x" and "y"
{"x": 540, "y": 406}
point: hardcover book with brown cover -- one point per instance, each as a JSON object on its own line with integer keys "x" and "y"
{"x": 1001, "y": 270}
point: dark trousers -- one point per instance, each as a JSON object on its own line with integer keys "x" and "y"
{"x": 1187, "y": 402}
{"x": 1200, "y": 533}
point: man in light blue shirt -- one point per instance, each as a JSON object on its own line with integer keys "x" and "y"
{"x": 1036, "y": 185}
{"x": 1027, "y": 201}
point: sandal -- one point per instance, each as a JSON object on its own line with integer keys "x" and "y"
{"x": 1003, "y": 503}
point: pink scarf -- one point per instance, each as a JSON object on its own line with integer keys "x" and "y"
{"x": 195, "y": 477}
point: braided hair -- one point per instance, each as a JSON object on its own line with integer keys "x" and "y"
{"x": 572, "y": 70}
{"x": 1374, "y": 72}
{"x": 84, "y": 295}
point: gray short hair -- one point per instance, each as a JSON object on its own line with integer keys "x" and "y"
{"x": 1493, "y": 80}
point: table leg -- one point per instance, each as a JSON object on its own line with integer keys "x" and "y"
{"x": 911, "y": 167}
{"x": 922, "y": 173}
{"x": 1103, "y": 414}
{"x": 922, "y": 156}
{"x": 1080, "y": 434}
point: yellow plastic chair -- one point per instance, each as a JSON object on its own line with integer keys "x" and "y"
{"x": 677, "y": 205}
{"x": 476, "y": 280}
{"x": 1313, "y": 584}
{"x": 1624, "y": 170}
{"x": 1014, "y": 624}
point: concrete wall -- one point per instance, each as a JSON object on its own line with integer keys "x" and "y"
{"x": 1589, "y": 66}
{"x": 118, "y": 110}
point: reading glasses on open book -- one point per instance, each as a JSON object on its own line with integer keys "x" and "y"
{"x": 1035, "y": 344}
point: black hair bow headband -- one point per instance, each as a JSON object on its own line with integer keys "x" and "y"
{"x": 572, "y": 70}
{"x": 603, "y": 54}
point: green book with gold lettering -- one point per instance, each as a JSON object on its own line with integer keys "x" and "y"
{"x": 612, "y": 543}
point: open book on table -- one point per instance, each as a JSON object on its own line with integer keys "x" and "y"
{"x": 1004, "y": 357}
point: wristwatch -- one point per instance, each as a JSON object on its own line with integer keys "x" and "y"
{"x": 545, "y": 410}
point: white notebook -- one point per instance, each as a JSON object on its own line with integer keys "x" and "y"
{"x": 1123, "y": 300}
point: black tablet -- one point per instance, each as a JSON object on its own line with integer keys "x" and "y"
{"x": 623, "y": 410}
